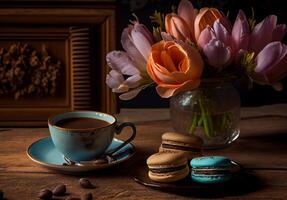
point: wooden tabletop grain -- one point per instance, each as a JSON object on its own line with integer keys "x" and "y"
{"x": 261, "y": 149}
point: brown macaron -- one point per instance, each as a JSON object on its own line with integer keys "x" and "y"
{"x": 167, "y": 167}
{"x": 190, "y": 145}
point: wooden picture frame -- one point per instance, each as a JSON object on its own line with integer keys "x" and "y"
{"x": 80, "y": 37}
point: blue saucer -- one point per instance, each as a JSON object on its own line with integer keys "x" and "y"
{"x": 44, "y": 153}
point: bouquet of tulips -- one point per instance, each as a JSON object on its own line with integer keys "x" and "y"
{"x": 190, "y": 45}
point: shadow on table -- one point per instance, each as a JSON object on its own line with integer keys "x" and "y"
{"x": 251, "y": 183}
{"x": 242, "y": 184}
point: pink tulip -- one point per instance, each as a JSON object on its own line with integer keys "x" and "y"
{"x": 240, "y": 33}
{"x": 136, "y": 41}
{"x": 271, "y": 64}
{"x": 218, "y": 55}
{"x": 265, "y": 32}
{"x": 216, "y": 45}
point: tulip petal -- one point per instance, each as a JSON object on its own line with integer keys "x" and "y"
{"x": 132, "y": 51}
{"x": 226, "y": 23}
{"x": 217, "y": 54}
{"x": 131, "y": 94}
{"x": 133, "y": 81}
{"x": 120, "y": 61}
{"x": 188, "y": 14}
{"x": 141, "y": 43}
{"x": 262, "y": 33}
{"x": 166, "y": 91}
{"x": 143, "y": 30}
{"x": 240, "y": 32}
{"x": 122, "y": 88}
{"x": 167, "y": 61}
{"x": 162, "y": 74}
{"x": 278, "y": 72}
{"x": 279, "y": 32}
{"x": 205, "y": 36}
{"x": 114, "y": 79}
{"x": 221, "y": 33}
{"x": 270, "y": 56}
{"x": 195, "y": 64}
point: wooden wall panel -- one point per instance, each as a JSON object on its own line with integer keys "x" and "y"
{"x": 87, "y": 34}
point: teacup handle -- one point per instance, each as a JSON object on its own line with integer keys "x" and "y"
{"x": 119, "y": 129}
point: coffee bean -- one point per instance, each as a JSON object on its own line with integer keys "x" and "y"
{"x": 85, "y": 183}
{"x": 59, "y": 190}
{"x": 87, "y": 196}
{"x": 45, "y": 194}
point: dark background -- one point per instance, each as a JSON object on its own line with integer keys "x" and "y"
{"x": 259, "y": 95}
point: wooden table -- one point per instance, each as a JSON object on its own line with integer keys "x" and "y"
{"x": 261, "y": 148}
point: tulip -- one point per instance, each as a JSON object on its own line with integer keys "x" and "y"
{"x": 136, "y": 41}
{"x": 215, "y": 43}
{"x": 265, "y": 32}
{"x": 128, "y": 75}
{"x": 181, "y": 26}
{"x": 177, "y": 27}
{"x": 174, "y": 68}
{"x": 218, "y": 55}
{"x": 205, "y": 17}
{"x": 271, "y": 64}
{"x": 187, "y": 12}
{"x": 240, "y": 33}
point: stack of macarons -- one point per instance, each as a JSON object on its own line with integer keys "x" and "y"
{"x": 171, "y": 162}
{"x": 178, "y": 151}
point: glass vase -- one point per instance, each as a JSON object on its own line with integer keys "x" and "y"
{"x": 211, "y": 112}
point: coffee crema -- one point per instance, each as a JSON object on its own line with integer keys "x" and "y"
{"x": 81, "y": 123}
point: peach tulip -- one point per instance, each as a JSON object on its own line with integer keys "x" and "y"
{"x": 181, "y": 26}
{"x": 205, "y": 17}
{"x": 177, "y": 27}
{"x": 174, "y": 68}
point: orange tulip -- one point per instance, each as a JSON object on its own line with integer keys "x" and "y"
{"x": 205, "y": 17}
{"x": 181, "y": 26}
{"x": 174, "y": 68}
{"x": 177, "y": 27}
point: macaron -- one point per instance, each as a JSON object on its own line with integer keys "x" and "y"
{"x": 213, "y": 169}
{"x": 190, "y": 145}
{"x": 167, "y": 167}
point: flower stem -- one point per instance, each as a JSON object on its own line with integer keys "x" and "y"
{"x": 193, "y": 124}
{"x": 207, "y": 121}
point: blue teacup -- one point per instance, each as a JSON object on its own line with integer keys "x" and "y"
{"x": 83, "y": 144}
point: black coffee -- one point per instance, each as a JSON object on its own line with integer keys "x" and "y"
{"x": 81, "y": 123}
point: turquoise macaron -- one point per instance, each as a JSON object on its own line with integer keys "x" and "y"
{"x": 213, "y": 169}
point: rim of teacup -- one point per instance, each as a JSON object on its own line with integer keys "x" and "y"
{"x": 50, "y": 123}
